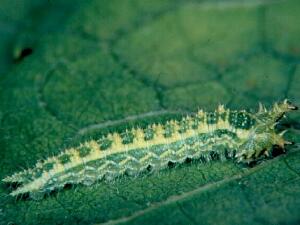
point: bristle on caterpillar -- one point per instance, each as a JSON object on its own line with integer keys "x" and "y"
{"x": 240, "y": 135}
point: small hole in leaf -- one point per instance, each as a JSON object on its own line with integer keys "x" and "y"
{"x": 24, "y": 53}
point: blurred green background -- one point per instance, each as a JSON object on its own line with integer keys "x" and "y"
{"x": 72, "y": 70}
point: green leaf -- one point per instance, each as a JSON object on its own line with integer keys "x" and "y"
{"x": 13, "y": 14}
{"x": 99, "y": 66}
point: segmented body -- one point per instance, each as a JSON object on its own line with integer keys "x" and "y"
{"x": 225, "y": 133}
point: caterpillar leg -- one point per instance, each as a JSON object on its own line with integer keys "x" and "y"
{"x": 259, "y": 146}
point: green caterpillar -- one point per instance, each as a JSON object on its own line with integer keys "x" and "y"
{"x": 240, "y": 135}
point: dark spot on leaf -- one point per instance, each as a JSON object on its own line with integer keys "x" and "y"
{"x": 24, "y": 53}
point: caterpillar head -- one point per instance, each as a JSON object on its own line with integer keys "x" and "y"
{"x": 276, "y": 114}
{"x": 264, "y": 136}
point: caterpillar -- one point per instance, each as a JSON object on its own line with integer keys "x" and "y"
{"x": 240, "y": 135}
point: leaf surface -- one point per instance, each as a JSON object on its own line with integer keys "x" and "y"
{"x": 100, "y": 66}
